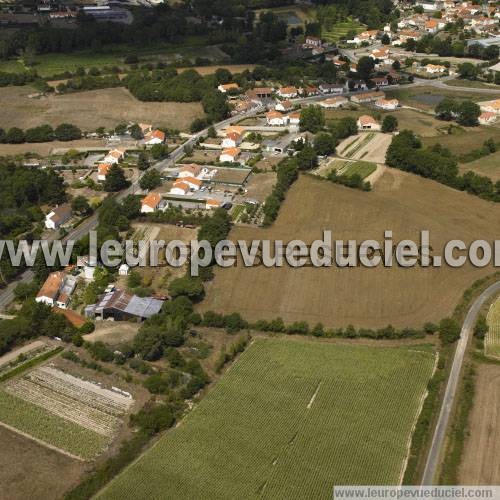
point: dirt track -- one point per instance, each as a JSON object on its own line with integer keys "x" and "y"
{"x": 481, "y": 465}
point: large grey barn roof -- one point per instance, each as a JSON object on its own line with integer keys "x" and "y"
{"x": 143, "y": 307}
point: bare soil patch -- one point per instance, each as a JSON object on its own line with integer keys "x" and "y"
{"x": 92, "y": 109}
{"x": 376, "y": 297}
{"x": 480, "y": 463}
{"x": 260, "y": 186}
{"x": 30, "y": 470}
{"x": 113, "y": 332}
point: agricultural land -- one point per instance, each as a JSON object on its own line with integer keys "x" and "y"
{"x": 290, "y": 394}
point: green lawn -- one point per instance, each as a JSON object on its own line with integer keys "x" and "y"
{"x": 340, "y": 30}
{"x": 492, "y": 340}
{"x": 362, "y": 168}
{"x": 49, "y": 428}
{"x": 290, "y": 419}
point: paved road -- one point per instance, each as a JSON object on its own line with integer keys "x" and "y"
{"x": 436, "y": 451}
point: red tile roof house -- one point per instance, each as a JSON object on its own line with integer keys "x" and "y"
{"x": 288, "y": 92}
{"x": 154, "y": 137}
{"x": 150, "y": 203}
{"x": 58, "y": 216}
{"x": 366, "y": 122}
{"x": 57, "y": 290}
{"x": 102, "y": 171}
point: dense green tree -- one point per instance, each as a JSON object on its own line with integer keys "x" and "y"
{"x": 150, "y": 179}
{"x": 449, "y": 331}
{"x": 312, "y": 119}
{"x": 115, "y": 180}
{"x": 307, "y": 158}
{"x": 80, "y": 205}
{"x": 67, "y": 132}
{"x": 324, "y": 144}
{"x": 389, "y": 123}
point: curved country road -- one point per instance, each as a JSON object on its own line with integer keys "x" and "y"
{"x": 436, "y": 451}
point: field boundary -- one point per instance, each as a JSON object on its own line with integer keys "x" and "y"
{"x": 41, "y": 442}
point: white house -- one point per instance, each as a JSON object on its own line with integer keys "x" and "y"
{"x": 387, "y": 104}
{"x": 150, "y": 203}
{"x": 366, "y": 122}
{"x": 102, "y": 171}
{"x": 433, "y": 69}
{"x": 154, "y": 137}
{"x": 288, "y": 92}
{"x": 123, "y": 270}
{"x": 179, "y": 187}
{"x": 381, "y": 54}
{"x": 333, "y": 102}
{"x": 58, "y": 216}
{"x": 57, "y": 290}
{"x": 227, "y": 87}
{"x": 487, "y": 118}
{"x": 230, "y": 155}
{"x": 193, "y": 183}
{"x": 114, "y": 156}
{"x": 328, "y": 88}
{"x": 490, "y": 106}
{"x": 232, "y": 140}
{"x": 274, "y": 118}
{"x": 189, "y": 170}
{"x": 284, "y": 106}
{"x": 294, "y": 118}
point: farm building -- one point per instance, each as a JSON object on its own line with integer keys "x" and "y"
{"x": 119, "y": 305}
{"x": 367, "y": 122}
{"x": 294, "y": 118}
{"x": 58, "y": 216}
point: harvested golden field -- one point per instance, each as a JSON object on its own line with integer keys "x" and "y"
{"x": 480, "y": 463}
{"x": 364, "y": 297}
{"x": 92, "y": 109}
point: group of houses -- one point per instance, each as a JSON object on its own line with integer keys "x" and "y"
{"x": 375, "y": 97}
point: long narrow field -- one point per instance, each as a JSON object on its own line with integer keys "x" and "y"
{"x": 492, "y": 339}
{"x": 290, "y": 420}
{"x": 371, "y": 298}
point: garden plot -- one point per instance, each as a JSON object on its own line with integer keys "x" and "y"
{"x": 49, "y": 397}
{"x": 368, "y": 146}
{"x": 492, "y": 339}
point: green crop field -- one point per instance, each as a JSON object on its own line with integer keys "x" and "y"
{"x": 492, "y": 340}
{"x": 290, "y": 419}
{"x": 49, "y": 428}
{"x": 362, "y": 168}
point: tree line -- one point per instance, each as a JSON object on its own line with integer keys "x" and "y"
{"x": 406, "y": 153}
{"x": 42, "y": 133}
